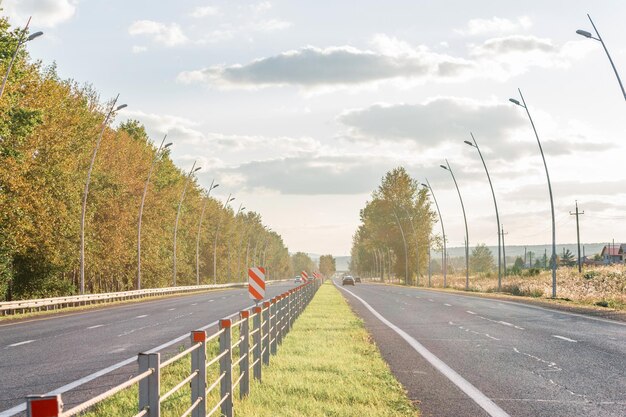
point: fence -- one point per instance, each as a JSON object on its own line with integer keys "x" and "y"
{"x": 258, "y": 333}
{"x": 12, "y": 307}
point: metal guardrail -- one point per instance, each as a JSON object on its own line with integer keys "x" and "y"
{"x": 261, "y": 330}
{"x": 22, "y": 306}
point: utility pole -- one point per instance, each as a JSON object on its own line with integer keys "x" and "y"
{"x": 577, "y": 213}
{"x": 530, "y": 259}
{"x": 429, "y": 264}
{"x": 503, "y": 250}
{"x": 524, "y": 256}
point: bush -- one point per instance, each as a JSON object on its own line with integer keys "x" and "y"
{"x": 602, "y": 303}
{"x": 590, "y": 274}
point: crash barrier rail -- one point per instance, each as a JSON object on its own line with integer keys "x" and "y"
{"x": 22, "y": 306}
{"x": 245, "y": 345}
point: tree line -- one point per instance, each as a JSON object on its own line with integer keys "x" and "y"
{"x": 398, "y": 214}
{"x": 48, "y": 128}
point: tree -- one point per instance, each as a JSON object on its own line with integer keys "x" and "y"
{"x": 302, "y": 262}
{"x": 327, "y": 265}
{"x": 481, "y": 259}
{"x": 568, "y": 258}
{"x": 397, "y": 205}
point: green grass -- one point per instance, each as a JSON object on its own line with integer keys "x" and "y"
{"x": 327, "y": 366}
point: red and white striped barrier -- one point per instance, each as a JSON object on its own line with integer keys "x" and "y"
{"x": 256, "y": 283}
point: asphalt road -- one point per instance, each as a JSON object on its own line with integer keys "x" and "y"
{"x": 41, "y": 355}
{"x": 459, "y": 355}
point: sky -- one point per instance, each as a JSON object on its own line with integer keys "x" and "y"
{"x": 299, "y": 108}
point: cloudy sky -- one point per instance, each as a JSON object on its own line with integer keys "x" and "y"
{"x": 298, "y": 108}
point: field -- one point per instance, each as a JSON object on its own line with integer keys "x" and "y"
{"x": 601, "y": 286}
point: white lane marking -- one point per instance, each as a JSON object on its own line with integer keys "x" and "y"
{"x": 551, "y": 365}
{"x": 25, "y": 342}
{"x": 431, "y": 300}
{"x": 505, "y": 323}
{"x": 96, "y": 326}
{"x": 447, "y": 305}
{"x": 142, "y": 316}
{"x": 210, "y": 301}
{"x": 22, "y": 407}
{"x": 479, "y": 398}
{"x": 194, "y": 304}
{"x": 565, "y": 338}
{"x": 171, "y": 309}
{"x": 470, "y": 312}
{"x": 417, "y": 297}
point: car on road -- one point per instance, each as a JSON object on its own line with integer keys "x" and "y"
{"x": 347, "y": 280}
{"x": 357, "y": 279}
{"x": 297, "y": 279}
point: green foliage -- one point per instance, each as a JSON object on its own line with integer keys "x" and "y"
{"x": 397, "y": 207}
{"x": 481, "y": 260}
{"x": 327, "y": 265}
{"x": 48, "y": 129}
{"x": 568, "y": 258}
{"x": 300, "y": 261}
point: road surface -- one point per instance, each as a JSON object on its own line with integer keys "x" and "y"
{"x": 44, "y": 354}
{"x": 468, "y": 356}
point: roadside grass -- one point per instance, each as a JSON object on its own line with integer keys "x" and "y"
{"x": 327, "y": 366}
{"x": 596, "y": 288}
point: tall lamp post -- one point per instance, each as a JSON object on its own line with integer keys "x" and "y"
{"x": 599, "y": 38}
{"x": 180, "y": 205}
{"x": 20, "y": 42}
{"x": 444, "y": 258}
{"x": 213, "y": 185}
{"x": 161, "y": 149}
{"x": 406, "y": 252}
{"x": 448, "y": 168}
{"x": 475, "y": 145}
{"x": 112, "y": 109}
{"x": 553, "y": 259}
{"x": 229, "y": 242}
{"x": 217, "y": 232}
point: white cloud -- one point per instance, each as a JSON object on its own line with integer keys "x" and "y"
{"x": 177, "y": 128}
{"x": 391, "y": 59}
{"x": 270, "y": 25}
{"x": 495, "y": 25}
{"x": 204, "y": 11}
{"x": 168, "y": 35}
{"x": 45, "y": 13}
{"x": 261, "y": 7}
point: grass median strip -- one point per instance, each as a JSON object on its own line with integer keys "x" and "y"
{"x": 327, "y": 366}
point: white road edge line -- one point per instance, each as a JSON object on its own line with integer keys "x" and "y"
{"x": 22, "y": 407}
{"x": 25, "y": 342}
{"x": 96, "y": 326}
{"x": 471, "y": 391}
{"x": 470, "y": 312}
{"x": 141, "y": 316}
{"x": 565, "y": 338}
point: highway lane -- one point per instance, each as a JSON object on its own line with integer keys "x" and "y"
{"x": 528, "y": 361}
{"x": 43, "y": 354}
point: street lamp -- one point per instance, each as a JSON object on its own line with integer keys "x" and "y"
{"x": 239, "y": 247}
{"x": 161, "y": 149}
{"x": 406, "y": 252}
{"x": 444, "y": 258}
{"x": 553, "y": 260}
{"x": 599, "y": 38}
{"x": 180, "y": 205}
{"x": 475, "y": 145}
{"x": 448, "y": 168}
{"x": 211, "y": 187}
{"x": 86, "y": 191}
{"x": 229, "y": 243}
{"x": 21, "y": 42}
{"x": 217, "y": 231}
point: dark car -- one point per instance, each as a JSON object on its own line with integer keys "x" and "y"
{"x": 347, "y": 280}
{"x": 357, "y": 279}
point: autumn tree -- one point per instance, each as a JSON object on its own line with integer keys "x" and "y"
{"x": 481, "y": 260}
{"x": 327, "y": 265}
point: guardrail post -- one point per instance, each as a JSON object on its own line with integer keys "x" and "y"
{"x": 198, "y": 362}
{"x": 279, "y": 320}
{"x": 226, "y": 368}
{"x": 266, "y": 332}
{"x": 150, "y": 387}
{"x": 273, "y": 326}
{"x": 244, "y": 365}
{"x": 44, "y": 405}
{"x": 289, "y": 311}
{"x": 256, "y": 340}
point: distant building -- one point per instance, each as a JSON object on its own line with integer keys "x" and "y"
{"x": 613, "y": 253}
